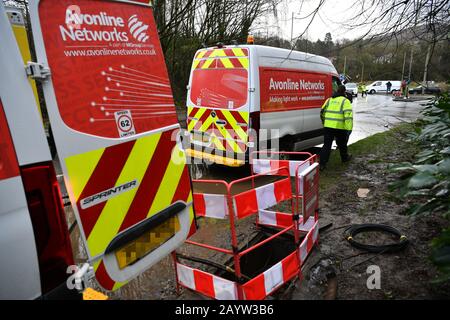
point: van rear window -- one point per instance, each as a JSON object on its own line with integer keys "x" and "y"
{"x": 219, "y": 88}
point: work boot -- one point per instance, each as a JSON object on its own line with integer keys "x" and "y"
{"x": 348, "y": 158}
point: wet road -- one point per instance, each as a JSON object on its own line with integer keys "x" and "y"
{"x": 372, "y": 114}
{"x": 378, "y": 113}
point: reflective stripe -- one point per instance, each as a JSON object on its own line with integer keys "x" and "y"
{"x": 232, "y": 136}
{"x": 333, "y": 119}
{"x": 342, "y": 104}
{"x": 115, "y": 210}
{"x": 327, "y": 103}
{"x": 337, "y": 112}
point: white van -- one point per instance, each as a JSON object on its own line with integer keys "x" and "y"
{"x": 233, "y": 89}
{"x": 380, "y": 86}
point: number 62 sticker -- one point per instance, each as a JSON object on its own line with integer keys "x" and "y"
{"x": 124, "y": 123}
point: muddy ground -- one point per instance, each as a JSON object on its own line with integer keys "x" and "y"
{"x": 404, "y": 275}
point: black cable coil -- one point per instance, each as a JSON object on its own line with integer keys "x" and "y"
{"x": 355, "y": 229}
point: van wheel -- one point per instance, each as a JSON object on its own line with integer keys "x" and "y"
{"x": 287, "y": 144}
{"x": 372, "y": 91}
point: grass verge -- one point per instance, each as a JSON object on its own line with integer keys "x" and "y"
{"x": 378, "y": 148}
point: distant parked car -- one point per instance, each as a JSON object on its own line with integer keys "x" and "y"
{"x": 380, "y": 86}
{"x": 352, "y": 88}
{"x": 428, "y": 90}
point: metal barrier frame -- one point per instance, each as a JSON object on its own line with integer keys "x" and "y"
{"x": 311, "y": 158}
{"x": 302, "y": 248}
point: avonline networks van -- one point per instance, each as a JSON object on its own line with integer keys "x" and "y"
{"x": 380, "y": 86}
{"x": 235, "y": 89}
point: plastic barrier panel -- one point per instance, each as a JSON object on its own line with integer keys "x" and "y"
{"x": 210, "y": 205}
{"x": 309, "y": 189}
{"x": 206, "y": 283}
{"x": 265, "y": 165}
{"x": 249, "y": 202}
{"x": 266, "y": 283}
{"x": 308, "y": 242}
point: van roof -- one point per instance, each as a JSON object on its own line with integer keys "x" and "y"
{"x": 286, "y": 58}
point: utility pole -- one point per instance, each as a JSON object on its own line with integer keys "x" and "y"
{"x": 410, "y": 64}
{"x": 362, "y": 72}
{"x": 345, "y": 64}
{"x": 425, "y": 71}
{"x": 403, "y": 69}
{"x": 292, "y": 27}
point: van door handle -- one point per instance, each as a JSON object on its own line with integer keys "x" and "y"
{"x": 221, "y": 122}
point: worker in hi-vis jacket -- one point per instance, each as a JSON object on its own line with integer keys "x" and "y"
{"x": 337, "y": 120}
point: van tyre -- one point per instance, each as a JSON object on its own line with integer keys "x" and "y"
{"x": 287, "y": 144}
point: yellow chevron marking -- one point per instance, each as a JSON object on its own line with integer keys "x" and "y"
{"x": 244, "y": 62}
{"x": 225, "y": 60}
{"x": 238, "y": 52}
{"x": 195, "y": 64}
{"x": 230, "y": 139}
{"x": 219, "y": 145}
{"x": 197, "y": 59}
{"x": 205, "y": 125}
{"x": 117, "y": 285}
{"x": 198, "y": 115}
{"x": 218, "y": 53}
{"x": 227, "y": 63}
{"x": 237, "y": 128}
{"x": 97, "y": 264}
{"x": 116, "y": 208}
{"x": 80, "y": 168}
{"x": 207, "y": 63}
{"x": 168, "y": 186}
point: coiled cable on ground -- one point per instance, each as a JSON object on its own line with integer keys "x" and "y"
{"x": 355, "y": 229}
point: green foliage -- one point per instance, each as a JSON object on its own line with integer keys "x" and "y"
{"x": 428, "y": 178}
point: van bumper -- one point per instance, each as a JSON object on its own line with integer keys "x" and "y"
{"x": 214, "y": 158}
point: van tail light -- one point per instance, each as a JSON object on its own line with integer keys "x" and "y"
{"x": 49, "y": 223}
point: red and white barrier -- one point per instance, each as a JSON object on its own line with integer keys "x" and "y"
{"x": 267, "y": 282}
{"x": 263, "y": 166}
{"x": 283, "y": 220}
{"x": 275, "y": 219}
{"x": 259, "y": 287}
{"x": 258, "y": 201}
{"x": 251, "y": 201}
{"x": 245, "y": 203}
{"x": 210, "y": 205}
{"x": 308, "y": 242}
{"x": 308, "y": 178}
{"x": 309, "y": 190}
{"x": 206, "y": 283}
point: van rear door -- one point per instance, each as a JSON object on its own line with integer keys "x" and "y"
{"x": 218, "y": 103}
{"x": 113, "y": 117}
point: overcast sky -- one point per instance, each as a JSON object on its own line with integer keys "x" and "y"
{"x": 329, "y": 19}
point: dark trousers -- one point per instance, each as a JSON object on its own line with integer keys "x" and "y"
{"x": 341, "y": 137}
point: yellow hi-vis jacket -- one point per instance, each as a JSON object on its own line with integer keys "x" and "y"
{"x": 337, "y": 113}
